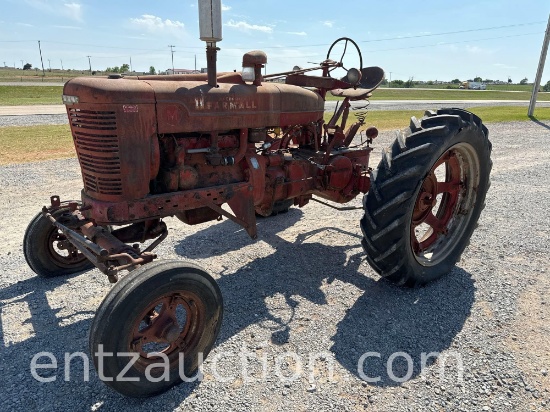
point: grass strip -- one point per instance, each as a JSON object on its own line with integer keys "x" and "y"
{"x": 30, "y": 95}
{"x": 398, "y": 119}
{"x": 22, "y": 144}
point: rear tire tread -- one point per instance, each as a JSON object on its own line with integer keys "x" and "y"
{"x": 403, "y": 167}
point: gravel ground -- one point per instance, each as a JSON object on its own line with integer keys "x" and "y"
{"x": 33, "y": 120}
{"x": 304, "y": 287}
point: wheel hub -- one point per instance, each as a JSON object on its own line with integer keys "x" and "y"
{"x": 427, "y": 199}
{"x": 443, "y": 180}
{"x": 170, "y": 324}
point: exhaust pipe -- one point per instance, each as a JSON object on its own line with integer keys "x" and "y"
{"x": 210, "y": 24}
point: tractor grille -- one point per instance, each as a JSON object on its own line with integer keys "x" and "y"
{"x": 96, "y": 142}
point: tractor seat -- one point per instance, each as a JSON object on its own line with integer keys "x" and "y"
{"x": 371, "y": 77}
{"x": 353, "y": 94}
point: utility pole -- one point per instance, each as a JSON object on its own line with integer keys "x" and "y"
{"x": 389, "y": 86}
{"x": 536, "y": 85}
{"x": 41, "y": 61}
{"x": 22, "y": 64}
{"x": 132, "y": 70}
{"x": 49, "y": 65}
{"x": 172, "y": 50}
{"x": 61, "y": 64}
{"x": 90, "y": 63}
{"x": 195, "y": 62}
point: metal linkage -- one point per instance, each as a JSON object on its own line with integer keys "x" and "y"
{"x": 108, "y": 253}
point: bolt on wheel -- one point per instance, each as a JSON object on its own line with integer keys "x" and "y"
{"x": 166, "y": 316}
{"x": 48, "y": 251}
{"x": 426, "y": 197}
{"x": 447, "y": 192}
{"x": 170, "y": 324}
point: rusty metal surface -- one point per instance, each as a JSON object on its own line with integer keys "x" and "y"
{"x": 445, "y": 205}
{"x": 156, "y": 146}
{"x": 169, "y": 324}
{"x": 188, "y": 107}
{"x": 117, "y": 148}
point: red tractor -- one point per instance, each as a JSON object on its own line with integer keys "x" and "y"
{"x": 151, "y": 147}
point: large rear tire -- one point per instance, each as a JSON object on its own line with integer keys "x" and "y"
{"x": 426, "y": 197}
{"x": 157, "y": 313}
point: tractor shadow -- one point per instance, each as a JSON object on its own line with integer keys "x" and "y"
{"x": 385, "y": 319}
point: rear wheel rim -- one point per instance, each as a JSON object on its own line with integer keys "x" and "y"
{"x": 444, "y": 205}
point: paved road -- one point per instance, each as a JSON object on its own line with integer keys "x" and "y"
{"x": 329, "y": 106}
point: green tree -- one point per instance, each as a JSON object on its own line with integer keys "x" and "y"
{"x": 509, "y": 80}
{"x": 455, "y": 81}
{"x": 124, "y": 68}
{"x": 478, "y": 79}
{"x": 397, "y": 83}
{"x": 152, "y": 70}
{"x": 27, "y": 66}
{"x": 546, "y": 87}
{"x": 523, "y": 81}
{"x": 409, "y": 83}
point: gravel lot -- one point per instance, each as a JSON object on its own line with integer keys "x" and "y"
{"x": 33, "y": 120}
{"x": 304, "y": 287}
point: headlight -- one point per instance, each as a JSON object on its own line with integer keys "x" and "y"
{"x": 69, "y": 99}
{"x": 248, "y": 74}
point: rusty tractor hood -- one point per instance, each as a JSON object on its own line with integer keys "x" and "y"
{"x": 186, "y": 103}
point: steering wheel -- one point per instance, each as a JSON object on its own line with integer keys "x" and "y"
{"x": 340, "y": 62}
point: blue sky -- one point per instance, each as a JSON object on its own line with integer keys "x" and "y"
{"x": 406, "y": 39}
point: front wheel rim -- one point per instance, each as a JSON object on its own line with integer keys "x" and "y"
{"x": 444, "y": 204}
{"x": 61, "y": 251}
{"x": 170, "y": 324}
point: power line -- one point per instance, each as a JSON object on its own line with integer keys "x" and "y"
{"x": 103, "y": 47}
{"x": 452, "y": 32}
{"x": 401, "y": 37}
{"x": 451, "y": 43}
{"x": 425, "y": 45}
